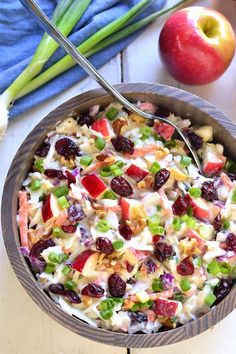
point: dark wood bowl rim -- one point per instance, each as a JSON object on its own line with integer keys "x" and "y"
{"x": 20, "y": 266}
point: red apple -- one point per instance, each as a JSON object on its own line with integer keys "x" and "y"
{"x": 50, "y": 207}
{"x": 101, "y": 126}
{"x": 197, "y": 45}
{"x": 132, "y": 209}
{"x": 164, "y": 130}
{"x": 200, "y": 209}
{"x": 213, "y": 159}
{"x": 164, "y": 307}
{"x": 94, "y": 185}
{"x": 85, "y": 262}
{"x": 136, "y": 172}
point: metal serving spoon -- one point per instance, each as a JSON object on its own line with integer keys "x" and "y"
{"x": 65, "y": 43}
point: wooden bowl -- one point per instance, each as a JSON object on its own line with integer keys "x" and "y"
{"x": 177, "y": 101}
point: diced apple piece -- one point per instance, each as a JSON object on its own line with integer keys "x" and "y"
{"x": 167, "y": 308}
{"x": 94, "y": 185}
{"x": 200, "y": 209}
{"x": 164, "y": 130}
{"x": 136, "y": 172}
{"x": 213, "y": 159}
{"x": 142, "y": 296}
{"x": 201, "y": 243}
{"x": 101, "y": 126}
{"x": 205, "y": 132}
{"x": 50, "y": 207}
{"x": 85, "y": 262}
{"x": 132, "y": 209}
{"x": 177, "y": 174}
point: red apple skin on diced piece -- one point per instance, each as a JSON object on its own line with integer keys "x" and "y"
{"x": 164, "y": 130}
{"x": 94, "y": 185}
{"x": 132, "y": 209}
{"x": 85, "y": 262}
{"x": 213, "y": 159}
{"x": 212, "y": 168}
{"x": 164, "y": 307}
{"x": 200, "y": 209}
{"x": 50, "y": 207}
{"x": 136, "y": 172}
{"x": 101, "y": 126}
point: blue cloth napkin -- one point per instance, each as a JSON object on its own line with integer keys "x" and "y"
{"x": 20, "y": 35}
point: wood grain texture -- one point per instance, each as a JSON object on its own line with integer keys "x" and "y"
{"x": 179, "y": 102}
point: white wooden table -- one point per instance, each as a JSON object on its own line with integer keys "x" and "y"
{"x": 24, "y": 328}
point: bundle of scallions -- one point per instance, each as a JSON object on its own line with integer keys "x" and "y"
{"x": 66, "y": 15}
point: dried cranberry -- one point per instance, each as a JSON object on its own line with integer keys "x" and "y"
{"x": 69, "y": 229}
{"x": 209, "y": 192}
{"x": 156, "y": 239}
{"x": 162, "y": 251}
{"x": 116, "y": 285}
{"x": 180, "y": 206}
{"x": 125, "y": 231}
{"x": 72, "y": 296}
{"x": 57, "y": 289}
{"x": 39, "y": 247}
{"x": 43, "y": 150}
{"x": 92, "y": 290}
{"x": 75, "y": 213}
{"x": 120, "y": 186}
{"x": 51, "y": 173}
{"x": 150, "y": 266}
{"x": 67, "y": 148}
{"x": 122, "y": 144}
{"x": 222, "y": 289}
{"x": 88, "y": 120}
{"x": 217, "y": 223}
{"x": 161, "y": 178}
{"x": 70, "y": 178}
{"x": 231, "y": 242}
{"x": 185, "y": 267}
{"x": 139, "y": 317}
{"x": 104, "y": 245}
{"x": 195, "y": 140}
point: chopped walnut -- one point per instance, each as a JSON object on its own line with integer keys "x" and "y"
{"x": 68, "y": 163}
{"x": 86, "y": 300}
{"x": 161, "y": 153}
{"x": 136, "y": 225}
{"x": 136, "y": 118}
{"x": 189, "y": 247}
{"x": 68, "y": 126}
{"x": 146, "y": 183}
{"x": 118, "y": 124}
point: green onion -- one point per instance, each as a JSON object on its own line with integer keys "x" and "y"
{"x": 146, "y": 132}
{"x": 155, "y": 167}
{"x": 199, "y": 262}
{"x": 185, "y": 285}
{"x": 57, "y": 231}
{"x": 105, "y": 171}
{"x": 60, "y": 191}
{"x": 116, "y": 171}
{"x": 195, "y": 192}
{"x": 103, "y": 226}
{"x": 157, "y": 285}
{"x": 170, "y": 144}
{"x": 159, "y": 208}
{"x": 107, "y": 304}
{"x": 62, "y": 258}
{"x": 35, "y": 185}
{"x": 66, "y": 270}
{"x": 86, "y": 160}
{"x": 225, "y": 268}
{"x": 50, "y": 268}
{"x": 176, "y": 224}
{"x": 117, "y": 245}
{"x": 70, "y": 284}
{"x": 112, "y": 112}
{"x": 213, "y": 267}
{"x": 39, "y": 165}
{"x": 185, "y": 161}
{"x": 106, "y": 314}
{"x": 63, "y": 202}
{"x": 117, "y": 300}
{"x": 120, "y": 163}
{"x": 159, "y": 230}
{"x": 145, "y": 305}
{"x": 226, "y": 225}
{"x": 100, "y": 143}
{"x": 109, "y": 195}
{"x": 234, "y": 196}
{"x": 178, "y": 297}
{"x": 210, "y": 299}
{"x": 153, "y": 224}
{"x": 53, "y": 257}
{"x": 135, "y": 307}
{"x": 230, "y": 166}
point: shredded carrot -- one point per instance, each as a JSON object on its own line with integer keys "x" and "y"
{"x": 142, "y": 151}
{"x": 23, "y": 219}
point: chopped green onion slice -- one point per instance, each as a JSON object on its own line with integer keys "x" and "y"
{"x": 103, "y": 226}
{"x": 86, "y": 160}
{"x": 230, "y": 166}
{"x": 62, "y": 258}
{"x": 57, "y": 231}
{"x": 50, "y": 268}
{"x": 185, "y": 284}
{"x": 118, "y": 300}
{"x": 225, "y": 268}
{"x": 178, "y": 297}
{"x": 176, "y": 224}
{"x": 154, "y": 220}
{"x": 117, "y": 172}
{"x": 157, "y": 285}
{"x": 107, "y": 304}
{"x": 185, "y": 161}
{"x": 63, "y": 202}
{"x": 111, "y": 113}
{"x": 117, "y": 245}
{"x": 199, "y": 262}
{"x": 234, "y": 196}
{"x": 120, "y": 163}
{"x": 210, "y": 299}
{"x": 35, "y": 185}
{"x": 70, "y": 284}
{"x": 109, "y": 195}
{"x": 53, "y": 257}
{"x": 155, "y": 167}
{"x": 106, "y": 314}
{"x": 146, "y": 132}
{"x": 135, "y": 307}
{"x": 226, "y": 225}
{"x": 146, "y": 304}
{"x": 213, "y": 267}
{"x": 66, "y": 270}
{"x": 39, "y": 165}
{"x": 60, "y": 191}
{"x": 159, "y": 230}
{"x": 170, "y": 144}
{"x": 159, "y": 208}
{"x": 195, "y": 192}
{"x": 100, "y": 143}
{"x": 105, "y": 172}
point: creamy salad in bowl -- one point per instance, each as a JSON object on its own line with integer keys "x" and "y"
{"x": 121, "y": 229}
